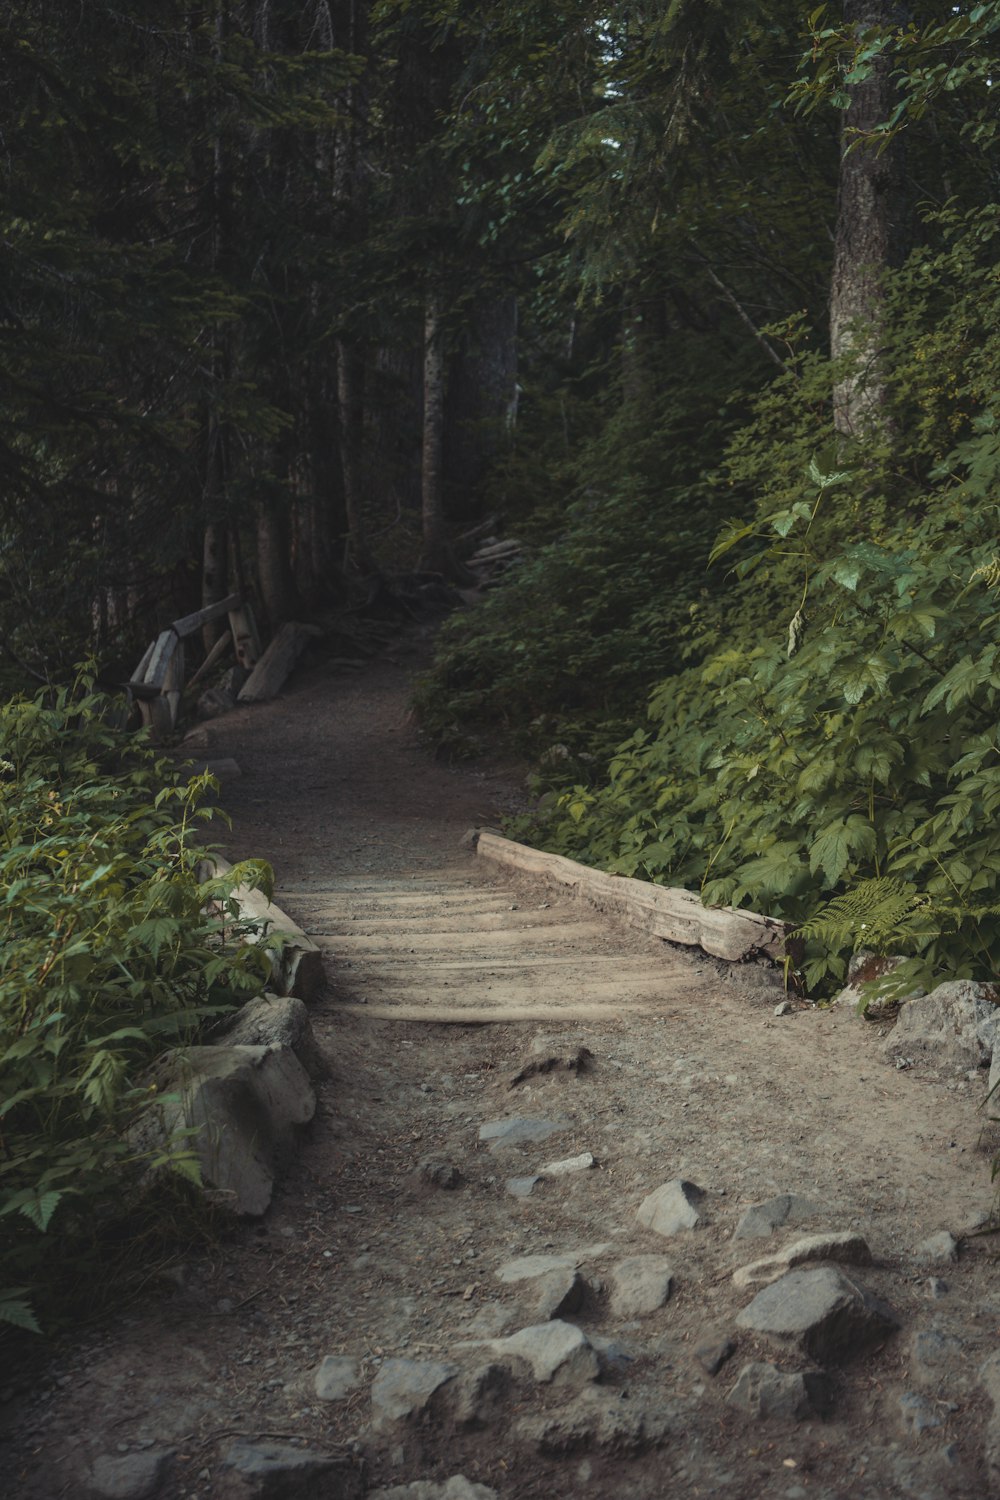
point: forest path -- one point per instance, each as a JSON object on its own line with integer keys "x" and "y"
{"x": 393, "y": 1257}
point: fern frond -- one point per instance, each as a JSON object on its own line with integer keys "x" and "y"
{"x": 875, "y": 914}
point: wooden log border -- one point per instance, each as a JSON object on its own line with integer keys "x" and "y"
{"x": 297, "y": 967}
{"x": 662, "y": 911}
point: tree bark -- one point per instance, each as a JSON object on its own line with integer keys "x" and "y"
{"x": 434, "y": 555}
{"x": 870, "y": 235}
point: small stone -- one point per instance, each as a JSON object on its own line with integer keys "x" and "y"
{"x": 822, "y": 1312}
{"x": 501, "y": 1135}
{"x": 937, "y": 1249}
{"x": 671, "y": 1208}
{"x": 763, "y": 1392}
{"x": 571, "y": 1164}
{"x": 762, "y": 1219}
{"x": 528, "y": 1267}
{"x": 597, "y": 1422}
{"x": 712, "y": 1353}
{"x": 847, "y": 1248}
{"x": 640, "y": 1285}
{"x": 917, "y": 1414}
{"x": 521, "y": 1187}
{"x": 337, "y": 1377}
{"x": 935, "y": 1288}
{"x": 551, "y": 1057}
{"x": 784, "y": 1008}
{"x": 403, "y": 1388}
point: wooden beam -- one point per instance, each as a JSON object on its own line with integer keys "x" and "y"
{"x": 269, "y": 675}
{"x": 188, "y": 624}
{"x": 662, "y": 911}
{"x": 217, "y": 651}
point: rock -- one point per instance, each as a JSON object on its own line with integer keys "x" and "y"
{"x": 440, "y": 1174}
{"x": 640, "y": 1285}
{"x": 862, "y": 968}
{"x": 555, "y": 1351}
{"x": 993, "y": 1100}
{"x": 403, "y": 1388}
{"x": 552, "y": 1057}
{"x": 571, "y": 1164}
{"x": 213, "y": 702}
{"x": 917, "y": 1414}
{"x": 134, "y": 1477}
{"x": 597, "y": 1421}
{"x": 712, "y": 1352}
{"x": 942, "y": 1028}
{"x": 783, "y": 1008}
{"x": 937, "y": 1249}
{"x": 933, "y": 1357}
{"x": 671, "y": 1208}
{"x": 612, "y": 1355}
{"x": 479, "y": 1397}
{"x": 847, "y": 1248}
{"x": 528, "y": 1267}
{"x": 244, "y": 1102}
{"x": 501, "y": 1135}
{"x": 278, "y": 1021}
{"x": 824, "y": 1313}
{"x": 764, "y": 1392}
{"x": 989, "y": 1375}
{"x": 521, "y": 1187}
{"x": 560, "y": 1292}
{"x": 457, "y": 1488}
{"x": 337, "y": 1377}
{"x": 762, "y": 1219}
{"x": 280, "y": 1471}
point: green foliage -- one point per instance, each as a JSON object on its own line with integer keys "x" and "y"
{"x": 111, "y": 951}
{"x": 833, "y": 759}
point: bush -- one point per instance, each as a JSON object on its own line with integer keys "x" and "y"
{"x": 111, "y": 951}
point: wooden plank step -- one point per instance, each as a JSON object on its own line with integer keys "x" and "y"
{"x": 497, "y": 992}
{"x": 477, "y": 1015}
{"x": 336, "y": 924}
{"x": 461, "y": 940}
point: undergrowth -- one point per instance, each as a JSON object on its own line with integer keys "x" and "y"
{"x": 112, "y": 950}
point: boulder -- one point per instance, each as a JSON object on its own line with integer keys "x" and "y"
{"x": 671, "y": 1208}
{"x": 762, "y": 1219}
{"x": 136, "y": 1476}
{"x": 555, "y": 1351}
{"x": 403, "y": 1388}
{"x": 278, "y": 1021}
{"x": 640, "y": 1285}
{"x": 281, "y": 1471}
{"x": 763, "y": 1391}
{"x": 824, "y": 1313}
{"x": 943, "y": 1028}
{"x": 597, "y": 1421}
{"x": 244, "y": 1103}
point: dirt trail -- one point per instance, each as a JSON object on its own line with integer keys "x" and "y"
{"x": 385, "y": 1240}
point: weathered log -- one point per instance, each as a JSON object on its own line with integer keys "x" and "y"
{"x": 298, "y": 965}
{"x": 662, "y": 911}
{"x": 188, "y": 624}
{"x": 246, "y": 637}
{"x": 220, "y": 648}
{"x": 269, "y": 675}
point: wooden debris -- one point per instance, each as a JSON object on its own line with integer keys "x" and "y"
{"x": 219, "y": 650}
{"x": 298, "y": 965}
{"x": 188, "y": 624}
{"x": 270, "y": 673}
{"x": 676, "y": 915}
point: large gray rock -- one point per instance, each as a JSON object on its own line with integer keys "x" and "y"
{"x": 560, "y": 1294}
{"x": 530, "y": 1267}
{"x": 943, "y": 1028}
{"x": 280, "y": 1471}
{"x": 403, "y": 1388}
{"x": 457, "y": 1488}
{"x": 640, "y": 1285}
{"x": 671, "y": 1208}
{"x": 846, "y": 1247}
{"x": 278, "y": 1021}
{"x": 762, "y": 1219}
{"x": 245, "y": 1104}
{"x": 555, "y": 1352}
{"x": 480, "y": 1396}
{"x": 822, "y": 1312}
{"x": 763, "y": 1391}
{"x": 136, "y": 1476}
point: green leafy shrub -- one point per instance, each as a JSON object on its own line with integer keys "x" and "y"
{"x": 111, "y": 951}
{"x": 833, "y": 756}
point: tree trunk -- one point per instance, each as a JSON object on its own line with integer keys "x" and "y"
{"x": 434, "y": 555}
{"x": 870, "y": 236}
{"x": 350, "y": 397}
{"x": 272, "y": 564}
{"x": 481, "y": 401}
